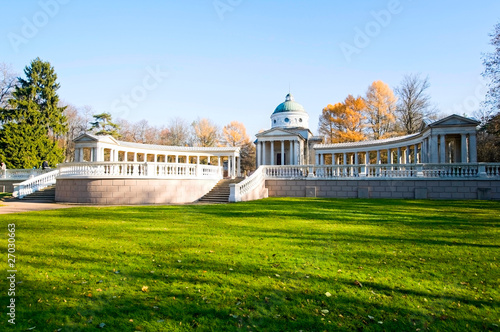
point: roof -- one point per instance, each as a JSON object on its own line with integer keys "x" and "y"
{"x": 289, "y": 105}
{"x": 109, "y": 139}
{"x": 366, "y": 143}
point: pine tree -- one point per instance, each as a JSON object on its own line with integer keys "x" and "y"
{"x": 104, "y": 125}
{"x": 33, "y": 122}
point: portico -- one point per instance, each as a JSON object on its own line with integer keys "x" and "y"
{"x": 91, "y": 148}
{"x": 289, "y": 141}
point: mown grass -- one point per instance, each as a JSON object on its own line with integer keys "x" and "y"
{"x": 269, "y": 265}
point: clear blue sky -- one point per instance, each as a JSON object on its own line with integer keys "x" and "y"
{"x": 235, "y": 60}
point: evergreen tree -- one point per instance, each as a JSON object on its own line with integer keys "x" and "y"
{"x": 103, "y": 125}
{"x": 33, "y": 122}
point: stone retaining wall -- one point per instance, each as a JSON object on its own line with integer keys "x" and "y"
{"x": 9, "y": 185}
{"x": 397, "y": 189}
{"x": 131, "y": 192}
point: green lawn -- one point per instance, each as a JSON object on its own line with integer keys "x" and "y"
{"x": 269, "y": 265}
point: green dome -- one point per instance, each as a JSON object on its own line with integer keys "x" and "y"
{"x": 290, "y": 105}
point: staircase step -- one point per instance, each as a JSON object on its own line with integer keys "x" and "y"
{"x": 220, "y": 193}
{"x": 47, "y": 194}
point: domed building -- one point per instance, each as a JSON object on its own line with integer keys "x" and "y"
{"x": 289, "y": 141}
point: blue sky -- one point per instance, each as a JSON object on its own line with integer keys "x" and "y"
{"x": 235, "y": 59}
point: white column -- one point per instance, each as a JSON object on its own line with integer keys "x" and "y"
{"x": 378, "y": 157}
{"x": 442, "y": 149}
{"x": 238, "y": 173}
{"x": 298, "y": 160}
{"x": 472, "y": 148}
{"x": 463, "y": 148}
{"x": 264, "y": 161}
{"x": 235, "y": 171}
{"x": 389, "y": 156}
{"x": 344, "y": 162}
{"x": 367, "y": 157}
{"x": 292, "y": 162}
{"x": 258, "y": 151}
{"x": 282, "y": 153}
{"x": 433, "y": 149}
{"x": 317, "y": 159}
{"x": 415, "y": 154}
{"x": 356, "y": 161}
{"x": 272, "y": 152}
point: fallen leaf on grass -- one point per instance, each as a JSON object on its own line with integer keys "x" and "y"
{"x": 98, "y": 290}
{"x": 357, "y": 283}
{"x": 31, "y": 328}
{"x": 145, "y": 288}
{"x": 328, "y": 294}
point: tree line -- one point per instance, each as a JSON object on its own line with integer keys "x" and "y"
{"x": 35, "y": 125}
{"x": 381, "y": 113}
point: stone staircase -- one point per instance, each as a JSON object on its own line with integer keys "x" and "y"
{"x": 47, "y": 195}
{"x": 219, "y": 193}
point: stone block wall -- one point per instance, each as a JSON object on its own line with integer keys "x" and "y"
{"x": 397, "y": 189}
{"x": 131, "y": 191}
{"x": 8, "y": 185}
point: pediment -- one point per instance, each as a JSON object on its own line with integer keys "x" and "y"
{"x": 93, "y": 138}
{"x": 455, "y": 121}
{"x": 276, "y": 132}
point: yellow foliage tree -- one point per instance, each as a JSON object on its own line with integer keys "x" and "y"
{"x": 235, "y": 134}
{"x": 380, "y": 110}
{"x": 343, "y": 122}
{"x": 206, "y": 134}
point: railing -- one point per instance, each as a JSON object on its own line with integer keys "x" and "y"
{"x": 34, "y": 184}
{"x": 239, "y": 190}
{"x": 22, "y": 174}
{"x": 381, "y": 171}
{"x": 149, "y": 170}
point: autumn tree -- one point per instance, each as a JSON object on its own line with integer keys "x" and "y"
{"x": 177, "y": 132}
{"x": 33, "y": 122}
{"x": 77, "y": 119}
{"x": 380, "y": 110}
{"x": 103, "y": 125}
{"x": 343, "y": 122}
{"x": 491, "y": 63}
{"x": 235, "y": 134}
{"x": 205, "y": 133}
{"x": 413, "y": 103}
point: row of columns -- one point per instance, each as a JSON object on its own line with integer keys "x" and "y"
{"x": 443, "y": 149}
{"x": 295, "y": 148}
{"x": 97, "y": 155}
{"x": 403, "y": 156}
{"x": 457, "y": 148}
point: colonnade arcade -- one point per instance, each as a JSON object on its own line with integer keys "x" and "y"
{"x": 451, "y": 140}
{"x": 90, "y": 148}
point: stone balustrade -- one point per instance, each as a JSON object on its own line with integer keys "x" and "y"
{"x": 140, "y": 170}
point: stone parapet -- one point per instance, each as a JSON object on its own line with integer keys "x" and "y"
{"x": 452, "y": 189}
{"x": 131, "y": 191}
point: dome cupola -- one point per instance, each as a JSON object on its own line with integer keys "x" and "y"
{"x": 290, "y": 114}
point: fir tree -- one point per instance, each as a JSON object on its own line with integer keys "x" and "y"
{"x": 33, "y": 121}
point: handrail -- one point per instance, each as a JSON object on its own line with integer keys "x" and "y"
{"x": 22, "y": 174}
{"x": 35, "y": 184}
{"x": 238, "y": 190}
{"x": 364, "y": 171}
{"x": 140, "y": 170}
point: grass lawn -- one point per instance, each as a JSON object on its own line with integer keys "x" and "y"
{"x": 269, "y": 265}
